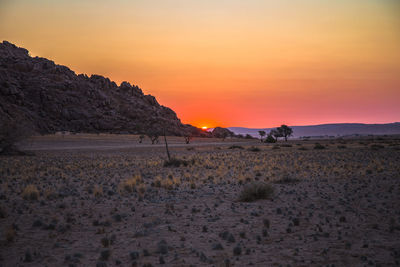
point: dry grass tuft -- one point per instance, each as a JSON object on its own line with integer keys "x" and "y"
{"x": 10, "y": 234}
{"x": 97, "y": 191}
{"x": 130, "y": 184}
{"x": 30, "y": 192}
{"x": 174, "y": 162}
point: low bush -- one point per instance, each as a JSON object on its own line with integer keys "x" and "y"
{"x": 175, "y": 162}
{"x": 286, "y": 145}
{"x": 287, "y": 180}
{"x": 254, "y": 149}
{"x": 319, "y": 146}
{"x": 235, "y": 147}
{"x": 255, "y": 191}
{"x": 30, "y": 192}
{"x": 377, "y": 146}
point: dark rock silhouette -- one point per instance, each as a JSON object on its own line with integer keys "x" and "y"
{"x": 220, "y": 132}
{"x": 52, "y": 98}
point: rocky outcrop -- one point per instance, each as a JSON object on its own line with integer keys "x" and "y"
{"x": 52, "y": 98}
{"x": 220, "y": 132}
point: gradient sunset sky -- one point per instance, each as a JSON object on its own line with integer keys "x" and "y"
{"x": 253, "y": 63}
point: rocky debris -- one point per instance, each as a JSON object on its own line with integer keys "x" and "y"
{"x": 36, "y": 91}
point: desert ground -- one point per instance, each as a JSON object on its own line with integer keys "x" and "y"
{"x": 108, "y": 200}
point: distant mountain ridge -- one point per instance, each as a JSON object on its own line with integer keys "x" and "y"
{"x": 333, "y": 129}
{"x": 51, "y": 98}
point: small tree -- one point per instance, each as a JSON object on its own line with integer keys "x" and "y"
{"x": 276, "y": 133}
{"x": 141, "y": 137}
{"x": 153, "y": 137}
{"x": 188, "y": 138}
{"x": 262, "y": 134}
{"x": 270, "y": 139}
{"x": 285, "y": 131}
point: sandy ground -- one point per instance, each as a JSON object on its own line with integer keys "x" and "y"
{"x": 108, "y": 201}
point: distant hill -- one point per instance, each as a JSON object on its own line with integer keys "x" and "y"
{"x": 49, "y": 98}
{"x": 336, "y": 129}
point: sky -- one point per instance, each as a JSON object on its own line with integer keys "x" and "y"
{"x": 253, "y": 63}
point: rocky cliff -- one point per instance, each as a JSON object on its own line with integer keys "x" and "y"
{"x": 49, "y": 97}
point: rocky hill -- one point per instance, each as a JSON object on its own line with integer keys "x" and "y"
{"x": 49, "y": 97}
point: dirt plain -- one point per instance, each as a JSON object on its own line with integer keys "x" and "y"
{"x": 105, "y": 200}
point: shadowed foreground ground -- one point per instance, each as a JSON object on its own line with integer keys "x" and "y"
{"x": 110, "y": 205}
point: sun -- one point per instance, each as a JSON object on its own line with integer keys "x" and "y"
{"x": 204, "y": 127}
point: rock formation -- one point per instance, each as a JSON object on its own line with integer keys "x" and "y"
{"x": 49, "y": 97}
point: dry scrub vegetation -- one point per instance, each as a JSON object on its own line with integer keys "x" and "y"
{"x": 229, "y": 205}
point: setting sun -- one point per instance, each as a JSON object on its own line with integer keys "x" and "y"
{"x": 204, "y": 128}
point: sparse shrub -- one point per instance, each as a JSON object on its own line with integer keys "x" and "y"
{"x": 130, "y": 184}
{"x": 3, "y": 213}
{"x": 237, "y": 250}
{"x": 105, "y": 241}
{"x": 188, "y": 138}
{"x": 248, "y": 136}
{"x": 255, "y": 191}
{"x": 341, "y": 146}
{"x": 157, "y": 182}
{"x": 10, "y": 234}
{"x": 30, "y": 192}
{"x": 154, "y": 137}
{"x": 287, "y": 180}
{"x": 105, "y": 254}
{"x": 97, "y": 191}
{"x": 377, "y": 146}
{"x": 235, "y": 147}
{"x": 141, "y": 189}
{"x": 266, "y": 223}
{"x": 162, "y": 247}
{"x": 141, "y": 137}
{"x": 270, "y": 139}
{"x": 175, "y": 162}
{"x": 276, "y": 147}
{"x": 319, "y": 146}
{"x": 254, "y": 149}
{"x": 286, "y": 145}
{"x": 303, "y": 148}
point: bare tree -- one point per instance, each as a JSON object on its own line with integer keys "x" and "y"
{"x": 166, "y": 146}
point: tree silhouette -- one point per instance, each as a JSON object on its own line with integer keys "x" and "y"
{"x": 188, "y": 138}
{"x": 270, "y": 139}
{"x": 153, "y": 137}
{"x": 262, "y": 134}
{"x": 285, "y": 131}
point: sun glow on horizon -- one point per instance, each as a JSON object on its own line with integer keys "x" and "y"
{"x": 228, "y": 63}
{"x": 204, "y": 127}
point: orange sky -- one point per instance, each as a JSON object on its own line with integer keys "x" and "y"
{"x": 253, "y": 63}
